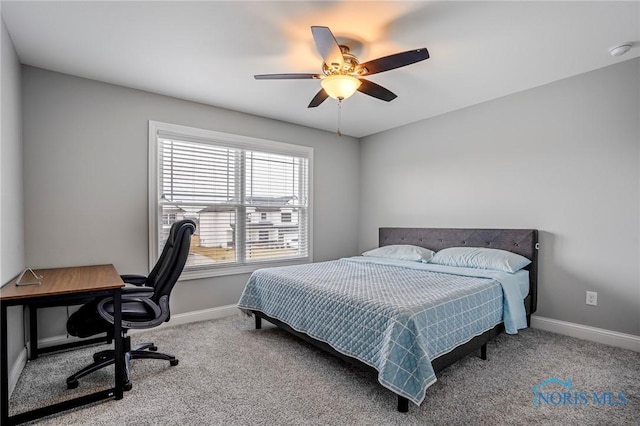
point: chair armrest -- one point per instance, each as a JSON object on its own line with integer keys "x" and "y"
{"x": 134, "y": 279}
{"x": 135, "y": 295}
{"x": 129, "y": 293}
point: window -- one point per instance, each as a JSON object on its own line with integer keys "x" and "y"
{"x": 235, "y": 188}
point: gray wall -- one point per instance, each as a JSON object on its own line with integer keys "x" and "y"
{"x": 11, "y": 199}
{"x": 85, "y": 148}
{"x": 563, "y": 158}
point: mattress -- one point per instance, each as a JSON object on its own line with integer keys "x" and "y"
{"x": 395, "y": 316}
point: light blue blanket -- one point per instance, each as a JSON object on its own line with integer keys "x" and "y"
{"x": 395, "y": 316}
{"x": 515, "y": 287}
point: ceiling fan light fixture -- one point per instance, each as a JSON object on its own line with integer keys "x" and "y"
{"x": 340, "y": 86}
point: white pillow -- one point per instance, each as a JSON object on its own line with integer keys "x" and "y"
{"x": 402, "y": 252}
{"x": 481, "y": 258}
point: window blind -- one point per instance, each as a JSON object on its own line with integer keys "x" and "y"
{"x": 251, "y": 202}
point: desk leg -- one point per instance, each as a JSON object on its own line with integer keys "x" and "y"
{"x": 4, "y": 371}
{"x": 33, "y": 332}
{"x": 117, "y": 342}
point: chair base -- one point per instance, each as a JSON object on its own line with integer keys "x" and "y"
{"x": 105, "y": 358}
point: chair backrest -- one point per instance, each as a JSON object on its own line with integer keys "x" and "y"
{"x": 167, "y": 270}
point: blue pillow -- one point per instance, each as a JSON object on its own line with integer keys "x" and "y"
{"x": 402, "y": 252}
{"x": 481, "y": 258}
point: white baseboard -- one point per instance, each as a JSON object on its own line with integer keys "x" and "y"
{"x": 600, "y": 335}
{"x": 16, "y": 369}
{"x": 202, "y": 315}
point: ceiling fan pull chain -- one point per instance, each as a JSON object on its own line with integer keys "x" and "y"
{"x": 339, "y": 133}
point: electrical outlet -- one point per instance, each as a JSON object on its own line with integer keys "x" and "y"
{"x": 592, "y": 298}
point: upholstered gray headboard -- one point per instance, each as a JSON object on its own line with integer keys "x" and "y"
{"x": 521, "y": 241}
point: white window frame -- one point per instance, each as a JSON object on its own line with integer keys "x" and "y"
{"x": 236, "y": 141}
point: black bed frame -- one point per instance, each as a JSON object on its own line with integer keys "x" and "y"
{"x": 520, "y": 241}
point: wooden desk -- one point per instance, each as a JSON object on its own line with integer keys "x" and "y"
{"x": 63, "y": 285}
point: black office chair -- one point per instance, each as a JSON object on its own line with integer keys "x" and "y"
{"x": 143, "y": 306}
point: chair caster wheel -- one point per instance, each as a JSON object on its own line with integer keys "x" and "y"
{"x": 72, "y": 385}
{"x": 127, "y": 387}
{"x": 173, "y": 362}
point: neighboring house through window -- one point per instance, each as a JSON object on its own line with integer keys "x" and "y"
{"x": 215, "y": 178}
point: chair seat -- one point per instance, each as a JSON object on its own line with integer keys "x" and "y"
{"x": 132, "y": 310}
{"x": 85, "y": 323}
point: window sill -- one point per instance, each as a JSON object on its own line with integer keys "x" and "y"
{"x": 219, "y": 271}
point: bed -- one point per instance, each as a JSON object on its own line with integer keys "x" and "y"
{"x": 404, "y": 320}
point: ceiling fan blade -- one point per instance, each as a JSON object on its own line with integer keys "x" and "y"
{"x": 286, "y": 76}
{"x": 372, "y": 89}
{"x": 390, "y": 62}
{"x": 318, "y": 99}
{"x": 327, "y": 46}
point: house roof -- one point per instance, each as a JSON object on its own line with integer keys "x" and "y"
{"x": 259, "y": 203}
{"x": 271, "y": 201}
{"x": 172, "y": 208}
{"x": 217, "y": 209}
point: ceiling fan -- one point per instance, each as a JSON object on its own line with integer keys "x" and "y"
{"x": 342, "y": 72}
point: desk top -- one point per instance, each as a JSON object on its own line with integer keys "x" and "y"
{"x": 75, "y": 279}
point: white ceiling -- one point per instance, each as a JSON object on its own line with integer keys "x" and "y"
{"x": 208, "y": 51}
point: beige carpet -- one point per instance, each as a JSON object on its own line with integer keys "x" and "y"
{"x": 231, "y": 374}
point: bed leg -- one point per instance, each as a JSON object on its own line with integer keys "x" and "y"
{"x": 403, "y": 404}
{"x": 258, "y": 322}
{"x": 483, "y": 352}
